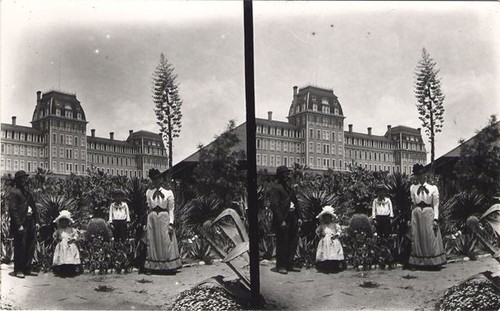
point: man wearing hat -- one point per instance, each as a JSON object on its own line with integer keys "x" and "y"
{"x": 286, "y": 219}
{"x": 427, "y": 249}
{"x": 23, "y": 224}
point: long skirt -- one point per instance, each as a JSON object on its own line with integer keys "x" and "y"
{"x": 162, "y": 249}
{"x": 329, "y": 249}
{"x": 66, "y": 254}
{"x": 427, "y": 248}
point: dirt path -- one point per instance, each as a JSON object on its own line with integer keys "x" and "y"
{"x": 305, "y": 290}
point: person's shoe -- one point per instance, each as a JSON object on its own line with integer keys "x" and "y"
{"x": 20, "y": 275}
{"x": 282, "y": 271}
{"x": 31, "y": 273}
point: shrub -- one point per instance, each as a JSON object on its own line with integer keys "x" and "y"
{"x": 97, "y": 228}
{"x": 360, "y": 223}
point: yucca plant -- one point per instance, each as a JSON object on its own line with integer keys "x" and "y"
{"x": 311, "y": 204}
{"x": 465, "y": 244}
{"x": 136, "y": 199}
{"x": 49, "y": 206}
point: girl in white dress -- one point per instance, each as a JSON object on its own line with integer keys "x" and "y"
{"x": 330, "y": 254}
{"x": 66, "y": 258}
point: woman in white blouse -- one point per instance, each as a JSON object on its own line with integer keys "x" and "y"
{"x": 427, "y": 249}
{"x": 162, "y": 250}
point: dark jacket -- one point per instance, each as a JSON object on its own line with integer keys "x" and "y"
{"x": 18, "y": 202}
{"x": 280, "y": 196}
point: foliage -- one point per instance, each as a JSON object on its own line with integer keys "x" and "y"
{"x": 97, "y": 228}
{"x": 472, "y": 294}
{"x": 167, "y": 103}
{"x": 306, "y": 250}
{"x": 465, "y": 244}
{"x": 398, "y": 188}
{"x": 360, "y": 224}
{"x": 50, "y": 205}
{"x": 459, "y": 207}
{"x": 136, "y": 199}
{"x": 311, "y": 205}
{"x": 218, "y": 173}
{"x": 478, "y": 167}
{"x": 429, "y": 97}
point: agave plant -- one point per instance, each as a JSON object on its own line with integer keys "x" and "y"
{"x": 49, "y": 206}
{"x": 136, "y": 198}
{"x": 398, "y": 187}
{"x": 311, "y": 203}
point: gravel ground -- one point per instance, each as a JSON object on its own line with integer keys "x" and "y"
{"x": 395, "y": 289}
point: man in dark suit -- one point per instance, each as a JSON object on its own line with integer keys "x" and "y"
{"x": 23, "y": 224}
{"x": 286, "y": 220}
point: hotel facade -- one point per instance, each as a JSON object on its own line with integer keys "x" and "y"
{"x": 57, "y": 141}
{"x": 314, "y": 136}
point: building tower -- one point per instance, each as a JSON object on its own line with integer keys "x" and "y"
{"x": 318, "y": 115}
{"x": 60, "y": 119}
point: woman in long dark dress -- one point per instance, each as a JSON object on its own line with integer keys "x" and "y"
{"x": 162, "y": 249}
{"x": 427, "y": 250}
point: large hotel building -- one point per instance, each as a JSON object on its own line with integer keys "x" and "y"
{"x": 314, "y": 136}
{"x": 57, "y": 140}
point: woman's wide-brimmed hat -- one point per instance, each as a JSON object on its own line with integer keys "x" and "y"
{"x": 154, "y": 173}
{"x": 327, "y": 210}
{"x": 418, "y": 169}
{"x": 64, "y": 214}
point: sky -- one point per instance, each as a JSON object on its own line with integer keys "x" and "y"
{"x": 106, "y": 53}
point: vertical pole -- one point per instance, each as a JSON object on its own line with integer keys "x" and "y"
{"x": 251, "y": 156}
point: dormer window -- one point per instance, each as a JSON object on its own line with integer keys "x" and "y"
{"x": 315, "y": 107}
{"x": 336, "y": 111}
{"x": 326, "y": 109}
{"x": 58, "y": 112}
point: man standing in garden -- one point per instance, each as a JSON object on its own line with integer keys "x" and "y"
{"x": 23, "y": 224}
{"x": 286, "y": 220}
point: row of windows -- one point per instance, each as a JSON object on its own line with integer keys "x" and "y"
{"x": 111, "y": 160}
{"x": 411, "y": 157}
{"x": 368, "y": 143}
{"x": 110, "y": 148}
{"x": 278, "y": 145}
{"x": 275, "y": 161}
{"x": 63, "y": 126}
{"x": 324, "y": 163}
{"x": 22, "y": 150}
{"x": 14, "y": 165}
{"x": 120, "y": 172}
{"x": 68, "y": 140}
{"x": 274, "y": 130}
{"x": 325, "y": 148}
{"x": 68, "y": 153}
{"x": 23, "y": 136}
{"x": 370, "y": 155}
{"x": 324, "y": 135}
{"x": 324, "y": 107}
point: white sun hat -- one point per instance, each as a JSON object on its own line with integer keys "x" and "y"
{"x": 64, "y": 214}
{"x": 327, "y": 210}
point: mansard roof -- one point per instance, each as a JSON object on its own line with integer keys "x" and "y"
{"x": 57, "y": 100}
{"x": 144, "y": 134}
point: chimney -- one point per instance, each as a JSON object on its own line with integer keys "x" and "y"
{"x": 92, "y": 131}
{"x": 38, "y": 96}
{"x": 111, "y": 135}
{"x": 14, "y": 120}
{"x": 369, "y": 131}
{"x": 130, "y": 132}
{"x": 269, "y": 115}
{"x": 388, "y": 127}
{"x": 419, "y": 130}
{"x": 295, "y": 90}
{"x": 350, "y": 128}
